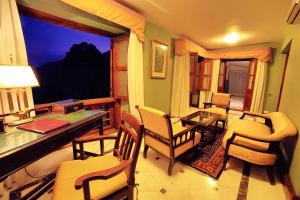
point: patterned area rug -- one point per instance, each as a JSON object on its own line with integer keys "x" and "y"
{"x": 208, "y": 159}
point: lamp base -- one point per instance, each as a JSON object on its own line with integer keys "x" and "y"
{"x": 21, "y": 121}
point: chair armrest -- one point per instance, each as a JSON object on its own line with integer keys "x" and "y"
{"x": 103, "y": 174}
{"x": 265, "y": 116}
{"x": 95, "y": 138}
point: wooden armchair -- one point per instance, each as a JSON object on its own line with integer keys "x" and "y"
{"x": 220, "y": 105}
{"x": 171, "y": 140}
{"x": 103, "y": 177}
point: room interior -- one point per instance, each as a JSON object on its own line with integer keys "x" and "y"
{"x": 198, "y": 105}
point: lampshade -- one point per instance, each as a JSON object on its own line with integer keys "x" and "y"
{"x": 17, "y": 76}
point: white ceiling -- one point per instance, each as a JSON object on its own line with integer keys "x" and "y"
{"x": 206, "y": 22}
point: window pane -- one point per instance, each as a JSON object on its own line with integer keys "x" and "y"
{"x": 197, "y": 83}
{"x": 250, "y": 82}
{"x": 251, "y": 68}
{"x": 122, "y": 83}
{"x": 221, "y": 80}
{"x": 207, "y": 69}
{"x": 222, "y": 68}
{"x": 206, "y": 83}
{"x": 122, "y": 53}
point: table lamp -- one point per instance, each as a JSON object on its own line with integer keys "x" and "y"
{"x": 16, "y": 77}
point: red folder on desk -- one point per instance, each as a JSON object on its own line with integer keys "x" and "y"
{"x": 44, "y": 126}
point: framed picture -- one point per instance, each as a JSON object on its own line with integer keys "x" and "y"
{"x": 159, "y": 53}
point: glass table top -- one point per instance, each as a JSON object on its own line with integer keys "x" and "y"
{"x": 14, "y": 139}
{"x": 201, "y": 118}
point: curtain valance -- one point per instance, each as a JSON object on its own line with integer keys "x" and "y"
{"x": 183, "y": 46}
{"x": 113, "y": 11}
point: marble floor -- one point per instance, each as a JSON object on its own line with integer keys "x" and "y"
{"x": 185, "y": 182}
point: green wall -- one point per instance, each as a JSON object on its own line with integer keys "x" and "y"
{"x": 291, "y": 96}
{"x": 158, "y": 91}
{"x": 275, "y": 70}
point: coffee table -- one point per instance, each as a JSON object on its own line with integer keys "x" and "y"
{"x": 203, "y": 121}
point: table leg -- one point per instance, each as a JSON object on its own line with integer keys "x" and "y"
{"x": 101, "y": 141}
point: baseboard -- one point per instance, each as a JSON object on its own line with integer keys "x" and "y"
{"x": 289, "y": 189}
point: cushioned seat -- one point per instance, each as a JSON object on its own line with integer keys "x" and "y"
{"x": 255, "y": 142}
{"x": 166, "y": 136}
{"x": 219, "y": 104}
{"x": 103, "y": 177}
{"x": 248, "y": 127}
{"x": 69, "y": 171}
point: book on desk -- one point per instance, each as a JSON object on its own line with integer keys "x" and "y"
{"x": 44, "y": 126}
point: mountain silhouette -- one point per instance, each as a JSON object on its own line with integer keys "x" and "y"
{"x": 84, "y": 73}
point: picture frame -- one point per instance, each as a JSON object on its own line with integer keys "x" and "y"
{"x": 159, "y": 52}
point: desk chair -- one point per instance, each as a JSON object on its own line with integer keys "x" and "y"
{"x": 104, "y": 177}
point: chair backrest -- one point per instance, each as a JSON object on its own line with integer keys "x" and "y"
{"x": 128, "y": 142}
{"x": 155, "y": 121}
{"x": 220, "y": 99}
{"x": 282, "y": 126}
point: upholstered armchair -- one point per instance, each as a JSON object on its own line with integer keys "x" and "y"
{"x": 169, "y": 139}
{"x": 255, "y": 142}
{"x": 220, "y": 105}
{"x": 103, "y": 177}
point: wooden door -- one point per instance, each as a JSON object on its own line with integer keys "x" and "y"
{"x": 222, "y": 77}
{"x": 250, "y": 84}
{"x": 119, "y": 67}
{"x": 194, "y": 79}
{"x": 205, "y": 75}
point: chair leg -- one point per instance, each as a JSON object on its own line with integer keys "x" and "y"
{"x": 130, "y": 192}
{"x": 226, "y": 158}
{"x": 145, "y": 151}
{"x": 270, "y": 174}
{"x": 171, "y": 164}
{"x": 74, "y": 150}
{"x": 101, "y": 147}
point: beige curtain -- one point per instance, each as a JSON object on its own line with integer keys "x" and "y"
{"x": 259, "y": 87}
{"x": 215, "y": 76}
{"x": 181, "y": 86}
{"x": 135, "y": 74}
{"x": 12, "y": 52}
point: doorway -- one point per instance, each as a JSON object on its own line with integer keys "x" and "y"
{"x": 236, "y": 80}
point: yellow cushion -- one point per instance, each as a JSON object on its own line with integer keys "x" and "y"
{"x": 154, "y": 120}
{"x": 165, "y": 149}
{"x": 216, "y": 110}
{"x": 221, "y": 99}
{"x": 248, "y": 127}
{"x": 69, "y": 171}
{"x": 251, "y": 156}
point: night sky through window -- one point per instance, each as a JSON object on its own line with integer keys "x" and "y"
{"x": 47, "y": 42}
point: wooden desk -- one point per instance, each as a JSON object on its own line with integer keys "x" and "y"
{"x": 19, "y": 148}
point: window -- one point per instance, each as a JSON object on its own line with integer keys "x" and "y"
{"x": 222, "y": 77}
{"x": 194, "y": 80}
{"x": 205, "y": 75}
{"x": 120, "y": 50}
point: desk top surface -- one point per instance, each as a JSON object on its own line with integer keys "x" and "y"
{"x": 14, "y": 139}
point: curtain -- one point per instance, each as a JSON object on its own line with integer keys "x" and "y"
{"x": 181, "y": 86}
{"x": 135, "y": 74}
{"x": 237, "y": 82}
{"x": 215, "y": 77}
{"x": 12, "y": 52}
{"x": 259, "y": 87}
